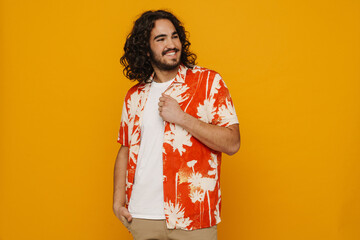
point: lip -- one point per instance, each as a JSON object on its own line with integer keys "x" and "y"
{"x": 170, "y": 53}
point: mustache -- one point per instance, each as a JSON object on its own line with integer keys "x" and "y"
{"x": 168, "y": 50}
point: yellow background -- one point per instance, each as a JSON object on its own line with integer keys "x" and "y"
{"x": 293, "y": 71}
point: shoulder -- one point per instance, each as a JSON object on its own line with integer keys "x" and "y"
{"x": 196, "y": 69}
{"x": 204, "y": 75}
{"x": 134, "y": 90}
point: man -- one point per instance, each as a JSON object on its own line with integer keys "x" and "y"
{"x": 175, "y": 123}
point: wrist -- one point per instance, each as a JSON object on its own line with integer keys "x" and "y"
{"x": 182, "y": 119}
{"x": 118, "y": 205}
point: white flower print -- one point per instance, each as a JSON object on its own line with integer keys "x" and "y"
{"x": 192, "y": 164}
{"x": 212, "y": 172}
{"x": 178, "y": 138}
{"x": 177, "y": 92}
{"x": 216, "y": 85}
{"x": 206, "y": 111}
{"x": 213, "y": 161}
{"x": 132, "y": 153}
{"x": 175, "y": 216}
{"x": 132, "y": 104}
{"x": 226, "y": 112}
{"x": 197, "y": 196}
{"x": 201, "y": 186}
{"x": 124, "y": 115}
{"x": 195, "y": 180}
{"x": 124, "y": 122}
{"x": 217, "y": 212}
{"x": 207, "y": 184}
{"x": 135, "y": 146}
{"x": 196, "y": 69}
{"x": 213, "y": 164}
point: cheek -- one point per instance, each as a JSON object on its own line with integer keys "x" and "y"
{"x": 179, "y": 45}
{"x": 158, "y": 48}
{"x": 179, "y": 42}
{"x": 154, "y": 47}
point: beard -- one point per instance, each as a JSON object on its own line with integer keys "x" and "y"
{"x": 162, "y": 65}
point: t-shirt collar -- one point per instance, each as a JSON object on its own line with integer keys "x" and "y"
{"x": 179, "y": 78}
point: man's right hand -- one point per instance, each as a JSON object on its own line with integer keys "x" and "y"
{"x": 120, "y": 167}
{"x": 122, "y": 213}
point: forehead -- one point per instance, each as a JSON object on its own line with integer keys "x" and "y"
{"x": 162, "y": 26}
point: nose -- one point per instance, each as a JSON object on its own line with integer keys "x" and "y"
{"x": 170, "y": 43}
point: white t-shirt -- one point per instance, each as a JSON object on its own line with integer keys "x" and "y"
{"x": 147, "y": 197}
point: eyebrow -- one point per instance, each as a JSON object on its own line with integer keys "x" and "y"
{"x": 164, "y": 35}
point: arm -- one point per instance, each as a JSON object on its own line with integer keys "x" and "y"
{"x": 119, "y": 184}
{"x": 223, "y": 139}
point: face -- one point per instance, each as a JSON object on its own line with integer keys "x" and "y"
{"x": 165, "y": 46}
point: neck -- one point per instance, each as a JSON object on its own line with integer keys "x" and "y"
{"x": 165, "y": 75}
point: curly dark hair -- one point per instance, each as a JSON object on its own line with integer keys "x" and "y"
{"x": 136, "y": 62}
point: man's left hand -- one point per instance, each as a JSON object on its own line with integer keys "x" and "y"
{"x": 169, "y": 109}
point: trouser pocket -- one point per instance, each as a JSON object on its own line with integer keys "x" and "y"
{"x": 126, "y": 223}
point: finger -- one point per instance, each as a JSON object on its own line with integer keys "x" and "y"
{"x": 128, "y": 216}
{"x": 167, "y": 97}
{"x": 161, "y": 104}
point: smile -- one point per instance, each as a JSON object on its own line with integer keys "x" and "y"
{"x": 170, "y": 52}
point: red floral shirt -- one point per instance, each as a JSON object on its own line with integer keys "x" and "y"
{"x": 192, "y": 196}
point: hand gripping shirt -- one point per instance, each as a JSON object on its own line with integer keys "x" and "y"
{"x": 191, "y": 170}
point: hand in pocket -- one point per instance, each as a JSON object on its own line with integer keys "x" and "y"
{"x": 122, "y": 213}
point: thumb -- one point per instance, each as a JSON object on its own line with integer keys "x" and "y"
{"x": 128, "y": 216}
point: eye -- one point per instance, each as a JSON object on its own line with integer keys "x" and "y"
{"x": 160, "y": 39}
{"x": 176, "y": 36}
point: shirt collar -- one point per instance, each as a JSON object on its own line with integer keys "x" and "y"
{"x": 181, "y": 74}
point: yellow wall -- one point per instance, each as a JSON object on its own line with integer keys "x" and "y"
{"x": 293, "y": 71}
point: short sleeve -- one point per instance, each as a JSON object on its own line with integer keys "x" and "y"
{"x": 223, "y": 110}
{"x": 123, "y": 137}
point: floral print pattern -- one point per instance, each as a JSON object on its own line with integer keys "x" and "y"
{"x": 192, "y": 196}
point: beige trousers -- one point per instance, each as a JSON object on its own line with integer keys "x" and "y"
{"x": 147, "y": 229}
